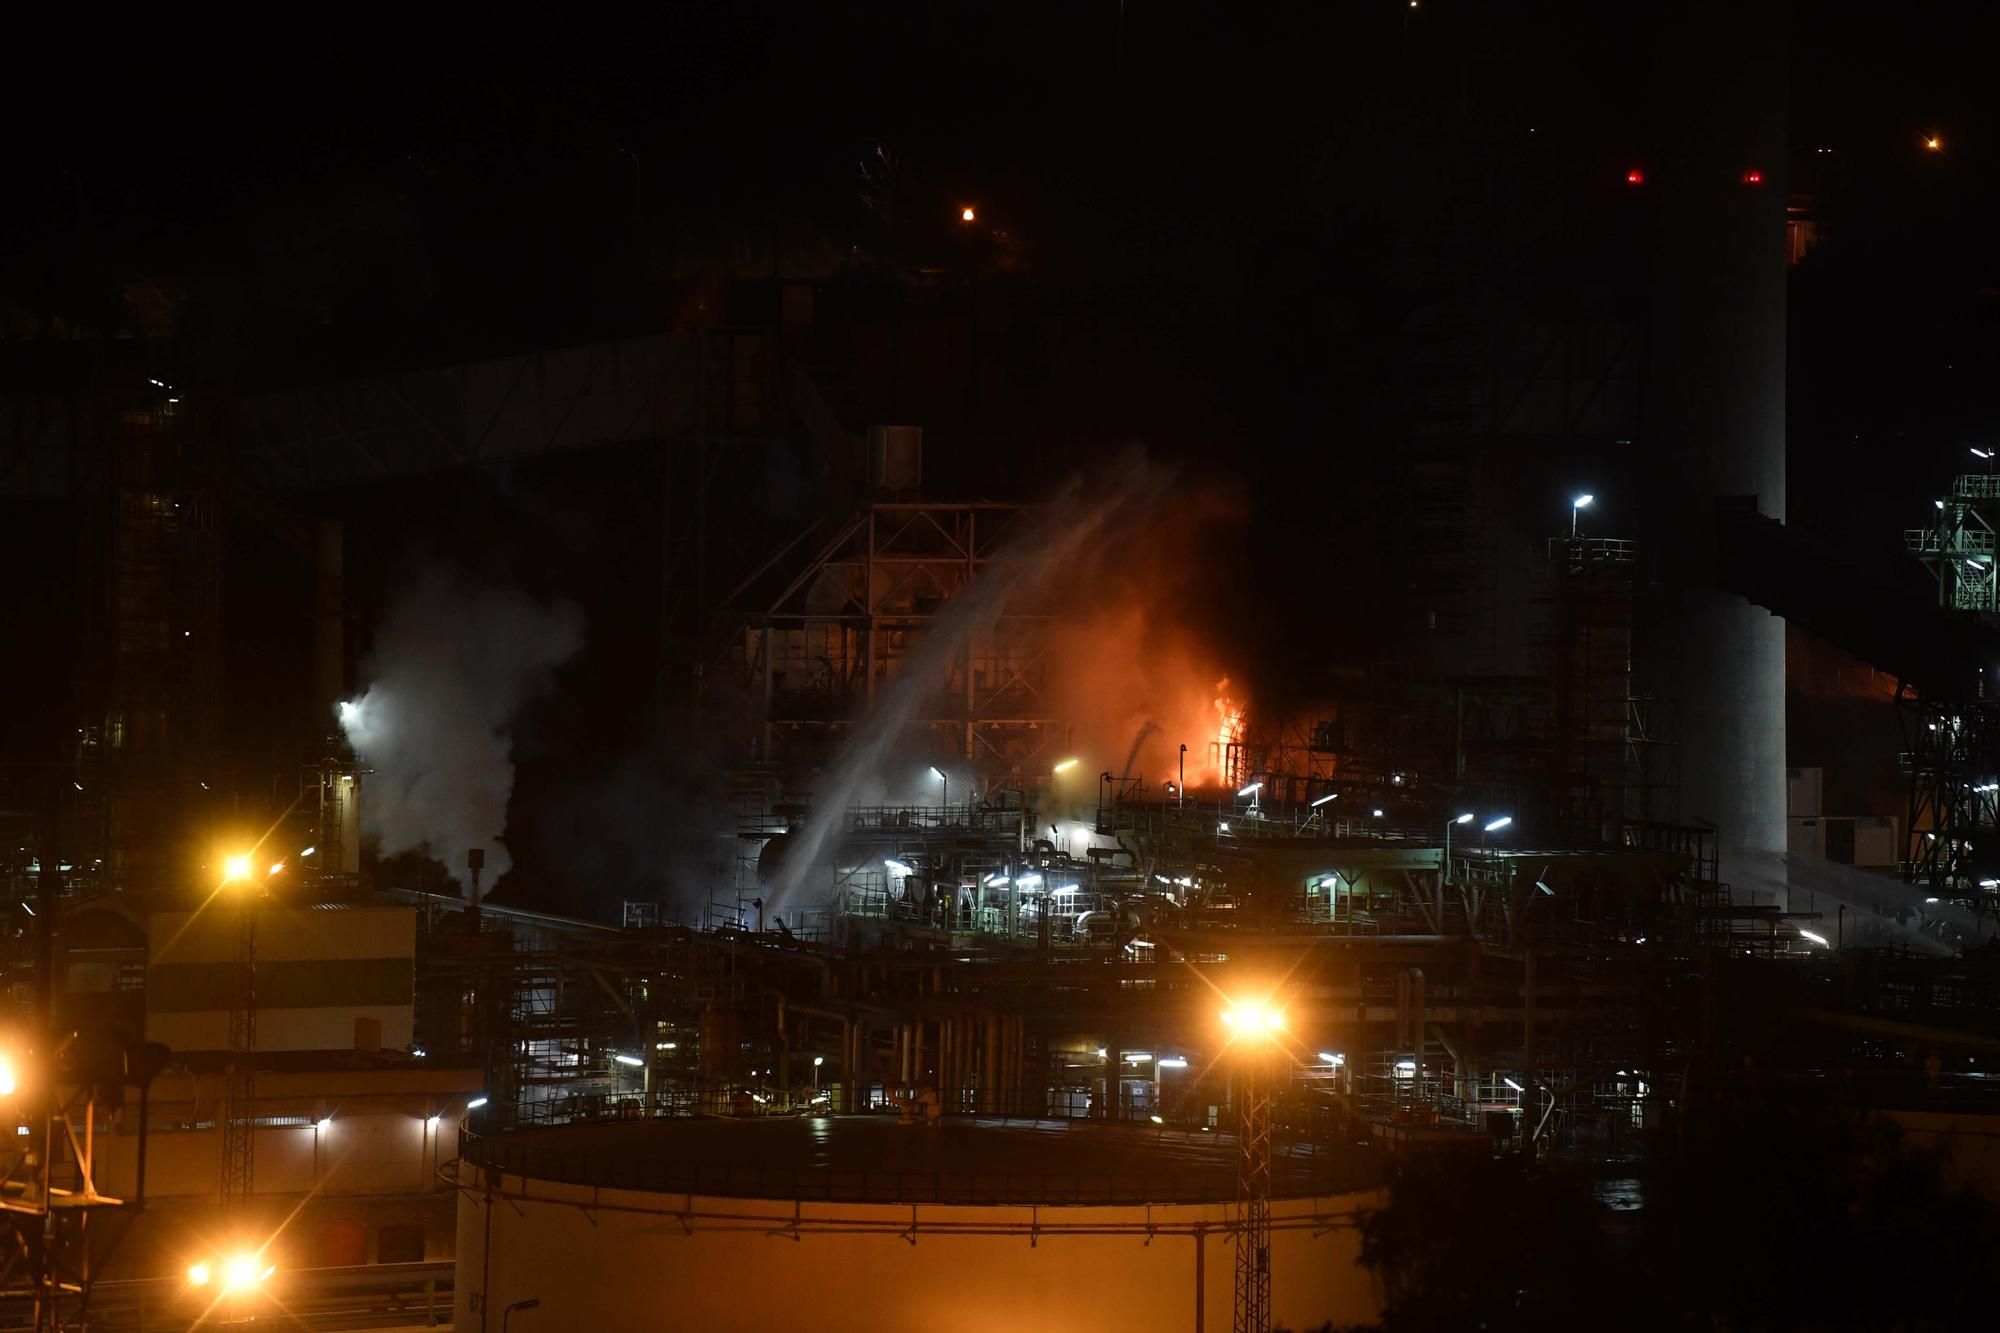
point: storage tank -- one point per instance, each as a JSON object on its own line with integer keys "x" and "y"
{"x": 860, "y": 1223}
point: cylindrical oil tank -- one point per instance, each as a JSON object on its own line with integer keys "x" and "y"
{"x": 863, "y": 1224}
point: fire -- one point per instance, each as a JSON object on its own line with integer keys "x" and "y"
{"x": 1228, "y": 725}
{"x": 1144, "y": 680}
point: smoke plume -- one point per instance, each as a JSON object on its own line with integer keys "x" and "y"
{"x": 453, "y": 664}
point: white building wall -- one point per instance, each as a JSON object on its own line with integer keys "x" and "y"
{"x": 319, "y": 971}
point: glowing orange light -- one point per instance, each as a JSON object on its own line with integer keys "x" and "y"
{"x": 1254, "y": 1020}
{"x": 966, "y": 214}
{"x": 1933, "y": 143}
{"x": 1229, "y": 720}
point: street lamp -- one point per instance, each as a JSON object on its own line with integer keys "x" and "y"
{"x": 1494, "y": 826}
{"x": 1465, "y": 818}
{"x": 1255, "y": 1030}
{"x": 944, "y": 798}
{"x": 1581, "y": 502}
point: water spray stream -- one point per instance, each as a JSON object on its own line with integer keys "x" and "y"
{"x": 1052, "y": 548}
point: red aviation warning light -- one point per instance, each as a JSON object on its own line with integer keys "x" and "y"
{"x": 1753, "y": 177}
{"x": 1635, "y": 177}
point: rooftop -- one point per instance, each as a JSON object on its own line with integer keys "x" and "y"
{"x": 875, "y": 1159}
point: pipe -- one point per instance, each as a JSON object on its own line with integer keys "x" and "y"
{"x": 989, "y": 1083}
{"x": 1418, "y": 1023}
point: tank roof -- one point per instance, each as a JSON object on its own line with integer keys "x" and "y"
{"x": 876, "y": 1159}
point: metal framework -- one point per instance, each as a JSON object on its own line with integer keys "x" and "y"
{"x": 846, "y": 625}
{"x": 239, "y": 1091}
{"x": 48, "y": 1195}
{"x": 1953, "y": 755}
{"x": 1954, "y": 766}
{"x": 1958, "y": 547}
{"x": 1253, "y": 1201}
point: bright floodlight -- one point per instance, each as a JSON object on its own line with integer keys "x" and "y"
{"x": 1816, "y": 939}
{"x": 1582, "y": 502}
{"x": 198, "y": 1275}
{"x": 900, "y": 867}
{"x": 1066, "y": 765}
{"x": 631, "y": 1060}
{"x": 967, "y": 214}
{"x": 475, "y": 1103}
{"x": 276, "y": 866}
{"x": 1512, "y": 1084}
{"x": 242, "y": 1271}
{"x": 1977, "y": 452}
{"x": 1330, "y": 796}
{"x": 8, "y": 1082}
{"x": 307, "y": 852}
{"x": 818, "y": 1060}
{"x": 1465, "y": 818}
{"x": 1332, "y": 1057}
{"x": 348, "y": 712}
{"x": 326, "y": 1122}
{"x": 1253, "y": 1018}
{"x": 1028, "y": 882}
{"x": 1252, "y": 789}
{"x": 1495, "y": 825}
{"x": 235, "y": 868}
{"x": 937, "y": 773}
{"x": 1378, "y": 814}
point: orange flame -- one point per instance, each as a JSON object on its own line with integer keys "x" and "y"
{"x": 1228, "y": 726}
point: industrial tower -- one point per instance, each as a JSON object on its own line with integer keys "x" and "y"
{"x": 239, "y": 1089}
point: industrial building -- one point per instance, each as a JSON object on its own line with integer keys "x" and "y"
{"x": 931, "y": 912}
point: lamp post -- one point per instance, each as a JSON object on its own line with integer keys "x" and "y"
{"x": 1465, "y": 818}
{"x": 1581, "y": 502}
{"x": 532, "y": 1303}
{"x": 1253, "y": 1032}
{"x": 1494, "y": 826}
{"x": 944, "y": 799}
{"x": 1180, "y": 792}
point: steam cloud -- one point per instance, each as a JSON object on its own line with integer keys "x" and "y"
{"x": 453, "y": 665}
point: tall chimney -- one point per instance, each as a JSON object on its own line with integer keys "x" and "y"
{"x": 1714, "y": 417}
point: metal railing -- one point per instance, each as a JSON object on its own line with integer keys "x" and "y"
{"x": 1324, "y": 1171}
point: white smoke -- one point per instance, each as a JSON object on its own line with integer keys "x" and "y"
{"x": 452, "y": 667}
